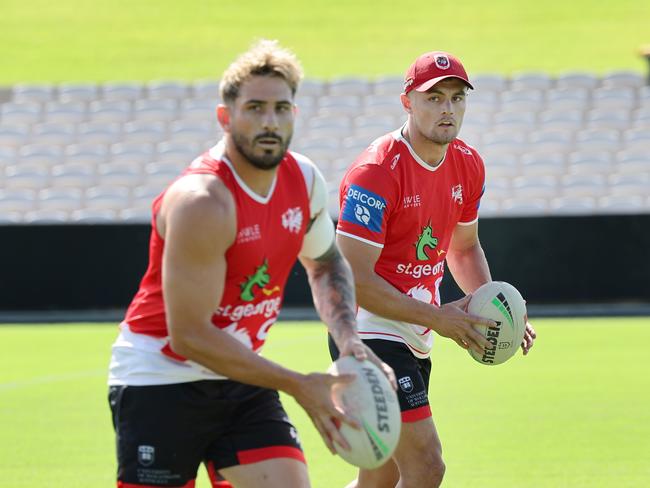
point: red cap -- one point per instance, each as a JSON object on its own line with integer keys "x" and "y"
{"x": 430, "y": 68}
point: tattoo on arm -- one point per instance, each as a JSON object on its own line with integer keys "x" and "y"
{"x": 333, "y": 289}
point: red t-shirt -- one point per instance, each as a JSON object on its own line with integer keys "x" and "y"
{"x": 393, "y": 200}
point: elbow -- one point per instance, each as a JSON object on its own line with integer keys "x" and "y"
{"x": 182, "y": 343}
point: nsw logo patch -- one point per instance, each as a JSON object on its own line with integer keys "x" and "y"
{"x": 363, "y": 207}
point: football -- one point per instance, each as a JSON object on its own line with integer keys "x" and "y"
{"x": 371, "y": 400}
{"x": 501, "y": 302}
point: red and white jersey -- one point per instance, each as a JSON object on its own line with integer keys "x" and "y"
{"x": 393, "y": 200}
{"x": 270, "y": 233}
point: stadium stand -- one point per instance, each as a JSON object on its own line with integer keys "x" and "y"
{"x": 574, "y": 144}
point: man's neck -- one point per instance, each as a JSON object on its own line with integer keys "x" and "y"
{"x": 258, "y": 180}
{"x": 430, "y": 152}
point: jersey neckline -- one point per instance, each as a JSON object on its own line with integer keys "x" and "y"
{"x": 399, "y": 137}
{"x": 217, "y": 152}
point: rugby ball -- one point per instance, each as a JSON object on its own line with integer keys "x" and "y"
{"x": 371, "y": 400}
{"x": 501, "y": 302}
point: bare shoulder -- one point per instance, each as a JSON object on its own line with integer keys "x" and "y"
{"x": 200, "y": 204}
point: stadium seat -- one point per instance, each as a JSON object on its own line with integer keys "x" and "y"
{"x": 531, "y": 81}
{"x": 608, "y": 119}
{"x": 179, "y": 153}
{"x": 199, "y": 110}
{"x": 551, "y": 139}
{"x": 87, "y": 154}
{"x": 65, "y": 199}
{"x": 540, "y": 163}
{"x": 633, "y": 161}
{"x": 135, "y": 215}
{"x": 40, "y": 154}
{"x": 8, "y": 155}
{"x": 569, "y": 205}
{"x": 14, "y": 135}
{"x": 622, "y": 204}
{"x": 54, "y": 133}
{"x": 93, "y": 216}
{"x": 525, "y": 120}
{"x": 634, "y": 136}
{"x": 132, "y": 153}
{"x": 167, "y": 89}
{"x": 64, "y": 112}
{"x": 573, "y": 79}
{"x": 535, "y": 186}
{"x": 601, "y": 139}
{"x": 46, "y": 216}
{"x": 568, "y": 99}
{"x": 583, "y": 185}
{"x": 10, "y": 218}
{"x": 497, "y": 187}
{"x": 122, "y": 91}
{"x": 489, "y": 208}
{"x": 106, "y": 197}
{"x": 589, "y": 161}
{"x": 109, "y": 111}
{"x": 206, "y": 90}
{"x": 614, "y": 98}
{"x": 622, "y": 79}
{"x": 349, "y": 86}
{"x": 524, "y": 206}
{"x": 388, "y": 85}
{"x": 144, "y": 132}
{"x": 119, "y": 174}
{"x": 69, "y": 92}
{"x": 190, "y": 131}
{"x": 73, "y": 175}
{"x": 32, "y": 93}
{"x": 99, "y": 132}
{"x": 530, "y": 100}
{"x": 31, "y": 176}
{"x": 312, "y": 88}
{"x": 500, "y": 165}
{"x": 20, "y": 113}
{"x": 487, "y": 82}
{"x": 157, "y": 110}
{"x": 17, "y": 200}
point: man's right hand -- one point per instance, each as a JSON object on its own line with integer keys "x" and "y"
{"x": 453, "y": 321}
{"x": 313, "y": 392}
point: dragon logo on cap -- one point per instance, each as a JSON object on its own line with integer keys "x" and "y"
{"x": 442, "y": 61}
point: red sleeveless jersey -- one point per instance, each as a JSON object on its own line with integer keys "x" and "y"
{"x": 270, "y": 232}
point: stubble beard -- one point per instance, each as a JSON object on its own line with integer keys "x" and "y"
{"x": 268, "y": 160}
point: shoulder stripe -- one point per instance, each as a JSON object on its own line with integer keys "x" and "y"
{"x": 346, "y": 234}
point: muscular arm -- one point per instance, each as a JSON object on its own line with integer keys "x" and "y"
{"x": 466, "y": 259}
{"x": 379, "y": 297}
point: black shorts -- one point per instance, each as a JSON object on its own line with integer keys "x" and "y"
{"x": 412, "y": 376}
{"x": 164, "y": 432}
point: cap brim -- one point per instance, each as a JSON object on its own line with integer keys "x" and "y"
{"x": 428, "y": 84}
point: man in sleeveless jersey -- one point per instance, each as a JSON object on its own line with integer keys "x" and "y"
{"x": 409, "y": 203}
{"x": 186, "y": 382}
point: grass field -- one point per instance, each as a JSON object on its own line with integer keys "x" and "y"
{"x": 573, "y": 414}
{"x": 77, "y": 40}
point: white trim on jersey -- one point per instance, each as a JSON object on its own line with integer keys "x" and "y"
{"x": 397, "y": 135}
{"x": 217, "y": 153}
{"x": 372, "y": 243}
{"x": 468, "y": 223}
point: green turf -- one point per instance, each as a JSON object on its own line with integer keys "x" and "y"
{"x": 75, "y": 40}
{"x": 573, "y": 414}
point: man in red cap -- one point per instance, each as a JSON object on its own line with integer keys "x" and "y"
{"x": 408, "y": 204}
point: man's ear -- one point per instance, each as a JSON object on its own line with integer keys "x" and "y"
{"x": 223, "y": 116}
{"x": 406, "y": 102}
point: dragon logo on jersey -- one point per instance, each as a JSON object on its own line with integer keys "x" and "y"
{"x": 260, "y": 279}
{"x": 425, "y": 240}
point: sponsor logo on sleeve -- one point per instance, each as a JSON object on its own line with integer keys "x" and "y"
{"x": 363, "y": 207}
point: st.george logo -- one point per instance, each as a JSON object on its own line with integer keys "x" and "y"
{"x": 425, "y": 241}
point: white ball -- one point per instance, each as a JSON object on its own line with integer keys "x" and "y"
{"x": 371, "y": 400}
{"x": 501, "y": 302}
